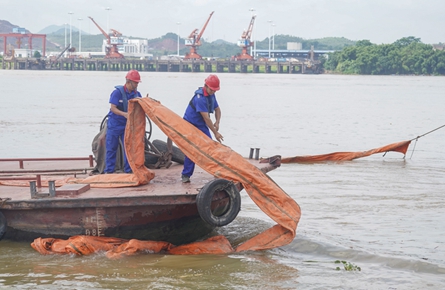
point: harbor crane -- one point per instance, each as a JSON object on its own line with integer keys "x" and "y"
{"x": 245, "y": 42}
{"x": 194, "y": 40}
{"x": 112, "y": 42}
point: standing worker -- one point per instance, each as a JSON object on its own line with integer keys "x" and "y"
{"x": 117, "y": 119}
{"x": 198, "y": 113}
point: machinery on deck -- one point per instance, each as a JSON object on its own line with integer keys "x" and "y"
{"x": 52, "y": 60}
{"x": 245, "y": 42}
{"x": 194, "y": 40}
{"x": 113, "y": 42}
{"x": 9, "y": 53}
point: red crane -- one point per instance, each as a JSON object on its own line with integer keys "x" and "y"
{"x": 194, "y": 40}
{"x": 112, "y": 42}
{"x": 245, "y": 42}
{"x": 19, "y": 37}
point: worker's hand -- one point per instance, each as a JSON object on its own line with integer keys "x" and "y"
{"x": 219, "y": 137}
{"x": 216, "y": 125}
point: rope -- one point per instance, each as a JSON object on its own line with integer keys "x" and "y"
{"x": 427, "y": 133}
{"x": 3, "y": 201}
{"x": 417, "y": 138}
{"x": 413, "y": 149}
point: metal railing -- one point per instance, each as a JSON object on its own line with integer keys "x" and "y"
{"x": 38, "y": 172}
{"x": 21, "y": 160}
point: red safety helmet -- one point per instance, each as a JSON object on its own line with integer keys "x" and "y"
{"x": 212, "y": 81}
{"x": 133, "y": 75}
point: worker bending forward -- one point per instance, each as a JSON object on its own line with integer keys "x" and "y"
{"x": 117, "y": 119}
{"x": 198, "y": 113}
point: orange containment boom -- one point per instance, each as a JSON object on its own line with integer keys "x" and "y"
{"x": 117, "y": 248}
{"x": 213, "y": 157}
{"x": 401, "y": 147}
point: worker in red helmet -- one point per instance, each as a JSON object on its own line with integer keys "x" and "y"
{"x": 117, "y": 120}
{"x": 198, "y": 113}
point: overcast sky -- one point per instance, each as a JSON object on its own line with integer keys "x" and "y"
{"x": 380, "y": 21}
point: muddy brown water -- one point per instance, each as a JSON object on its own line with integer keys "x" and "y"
{"x": 382, "y": 214}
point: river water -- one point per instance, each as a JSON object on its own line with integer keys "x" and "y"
{"x": 382, "y": 215}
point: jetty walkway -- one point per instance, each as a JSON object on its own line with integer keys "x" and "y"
{"x": 302, "y": 66}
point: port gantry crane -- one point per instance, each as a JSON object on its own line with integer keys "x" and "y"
{"x": 194, "y": 40}
{"x": 112, "y": 42}
{"x": 245, "y": 42}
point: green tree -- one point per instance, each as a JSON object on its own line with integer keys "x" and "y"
{"x": 407, "y": 55}
{"x": 363, "y": 43}
{"x": 405, "y": 41}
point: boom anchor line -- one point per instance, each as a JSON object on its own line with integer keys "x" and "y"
{"x": 417, "y": 138}
{"x": 401, "y": 147}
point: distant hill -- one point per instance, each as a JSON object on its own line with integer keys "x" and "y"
{"x": 60, "y": 29}
{"x": 221, "y": 41}
{"x": 7, "y": 27}
{"x": 52, "y": 29}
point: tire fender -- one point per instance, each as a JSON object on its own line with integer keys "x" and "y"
{"x": 205, "y": 197}
{"x": 3, "y": 225}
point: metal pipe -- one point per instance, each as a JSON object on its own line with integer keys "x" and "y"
{"x": 46, "y": 159}
{"x": 257, "y": 153}
{"x": 21, "y": 160}
{"x": 52, "y": 188}
{"x": 39, "y": 181}
{"x": 32, "y": 188}
{"x": 251, "y": 153}
{"x": 47, "y": 171}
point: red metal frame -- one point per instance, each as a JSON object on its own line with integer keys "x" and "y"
{"x": 20, "y": 160}
{"x": 37, "y": 178}
{"x": 19, "y": 36}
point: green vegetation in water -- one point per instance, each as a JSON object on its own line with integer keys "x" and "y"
{"x": 347, "y": 266}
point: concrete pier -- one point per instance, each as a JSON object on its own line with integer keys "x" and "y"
{"x": 172, "y": 65}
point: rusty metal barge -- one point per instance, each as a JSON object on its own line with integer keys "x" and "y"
{"x": 164, "y": 209}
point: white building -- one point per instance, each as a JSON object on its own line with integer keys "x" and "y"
{"x": 294, "y": 46}
{"x": 131, "y": 47}
{"x": 22, "y": 52}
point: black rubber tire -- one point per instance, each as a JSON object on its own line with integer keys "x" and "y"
{"x": 104, "y": 120}
{"x": 205, "y": 197}
{"x": 177, "y": 155}
{"x": 150, "y": 160}
{"x": 147, "y": 120}
{"x": 3, "y": 225}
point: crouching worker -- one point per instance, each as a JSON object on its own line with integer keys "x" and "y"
{"x": 198, "y": 113}
{"x": 117, "y": 119}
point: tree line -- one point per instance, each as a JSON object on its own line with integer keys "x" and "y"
{"x": 407, "y": 55}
